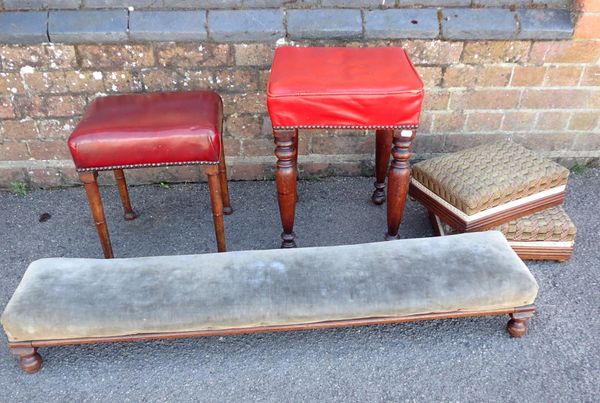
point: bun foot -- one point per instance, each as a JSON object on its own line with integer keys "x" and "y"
{"x": 29, "y": 359}
{"x": 378, "y": 197}
{"x": 517, "y": 325}
{"x": 130, "y": 215}
{"x": 288, "y": 240}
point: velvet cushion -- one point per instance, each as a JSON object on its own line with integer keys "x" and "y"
{"x": 65, "y": 298}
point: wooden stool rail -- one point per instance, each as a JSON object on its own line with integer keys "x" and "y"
{"x": 151, "y": 130}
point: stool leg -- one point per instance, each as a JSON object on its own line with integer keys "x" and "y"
{"x": 296, "y": 160}
{"x": 93, "y": 195}
{"x": 286, "y": 177}
{"x": 129, "y": 214}
{"x": 398, "y": 180}
{"x": 224, "y": 185}
{"x": 216, "y": 201}
{"x": 383, "y": 148}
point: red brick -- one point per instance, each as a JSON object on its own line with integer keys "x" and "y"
{"x": 44, "y": 82}
{"x": 565, "y": 52}
{"x": 436, "y": 100}
{"x": 460, "y": 76}
{"x": 431, "y": 76}
{"x": 584, "y": 120}
{"x": 557, "y": 76}
{"x": 588, "y": 27}
{"x": 258, "y": 147}
{"x": 258, "y": 54}
{"x": 13, "y": 152}
{"x": 591, "y": 76}
{"x": 552, "y": 120}
{"x": 516, "y": 121}
{"x": 18, "y": 129}
{"x": 6, "y": 108}
{"x": 45, "y": 177}
{"x": 485, "y": 99}
{"x": 30, "y": 106}
{"x": 528, "y": 76}
{"x": 463, "y": 141}
{"x": 14, "y": 57}
{"x": 549, "y": 99}
{"x": 236, "y": 80}
{"x": 65, "y": 105}
{"x": 483, "y": 121}
{"x": 428, "y": 144}
{"x": 193, "y": 55}
{"x": 11, "y": 175}
{"x": 49, "y": 150}
{"x": 243, "y": 125}
{"x": 123, "y": 81}
{"x": 425, "y": 123}
{"x": 59, "y": 57}
{"x": 590, "y": 6}
{"x": 433, "y": 52}
{"x": 545, "y": 141}
{"x": 449, "y": 122}
{"x": 232, "y": 146}
{"x": 586, "y": 141}
{"x": 100, "y": 57}
{"x": 251, "y": 171}
{"x": 250, "y": 103}
{"x": 57, "y": 129}
{"x": 11, "y": 83}
{"x": 495, "y": 52}
{"x": 342, "y": 145}
{"x": 493, "y": 76}
{"x": 85, "y": 81}
{"x": 263, "y": 80}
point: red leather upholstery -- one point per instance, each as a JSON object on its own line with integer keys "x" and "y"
{"x": 365, "y": 87}
{"x": 171, "y": 128}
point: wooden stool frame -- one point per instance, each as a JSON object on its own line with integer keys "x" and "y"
{"x": 395, "y": 142}
{"x": 219, "y": 196}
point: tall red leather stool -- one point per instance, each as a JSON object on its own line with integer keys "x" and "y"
{"x": 345, "y": 88}
{"x": 151, "y": 130}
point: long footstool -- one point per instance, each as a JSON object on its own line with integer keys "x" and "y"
{"x": 62, "y": 301}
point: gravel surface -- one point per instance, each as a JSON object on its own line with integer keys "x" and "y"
{"x": 470, "y": 359}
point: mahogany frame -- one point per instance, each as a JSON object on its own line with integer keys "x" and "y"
{"x": 216, "y": 174}
{"x": 487, "y": 222}
{"x": 31, "y": 361}
{"x": 525, "y": 252}
{"x": 394, "y": 142}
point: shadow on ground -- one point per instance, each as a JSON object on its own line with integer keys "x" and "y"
{"x": 470, "y": 359}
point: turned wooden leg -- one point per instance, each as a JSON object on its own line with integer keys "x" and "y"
{"x": 296, "y": 160}
{"x": 29, "y": 359}
{"x": 383, "y": 148}
{"x": 128, "y": 212}
{"x": 93, "y": 195}
{"x": 398, "y": 180}
{"x": 216, "y": 201}
{"x": 517, "y": 325}
{"x": 286, "y": 177}
{"x": 224, "y": 185}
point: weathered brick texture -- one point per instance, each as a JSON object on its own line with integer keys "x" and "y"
{"x": 545, "y": 94}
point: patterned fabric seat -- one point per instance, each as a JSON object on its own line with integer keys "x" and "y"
{"x": 488, "y": 185}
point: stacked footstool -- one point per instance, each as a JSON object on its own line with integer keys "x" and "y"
{"x": 501, "y": 186}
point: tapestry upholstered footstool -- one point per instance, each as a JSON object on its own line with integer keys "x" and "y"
{"x": 488, "y": 185}
{"x": 546, "y": 235}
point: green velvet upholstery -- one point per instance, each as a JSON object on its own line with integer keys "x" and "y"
{"x": 66, "y": 298}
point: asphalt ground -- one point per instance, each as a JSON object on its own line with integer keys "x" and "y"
{"x": 468, "y": 359}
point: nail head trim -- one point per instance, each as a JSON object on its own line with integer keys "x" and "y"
{"x": 148, "y": 165}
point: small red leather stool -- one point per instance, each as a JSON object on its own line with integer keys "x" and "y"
{"x": 345, "y": 88}
{"x": 151, "y": 130}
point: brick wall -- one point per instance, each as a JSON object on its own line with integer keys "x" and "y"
{"x": 542, "y": 93}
